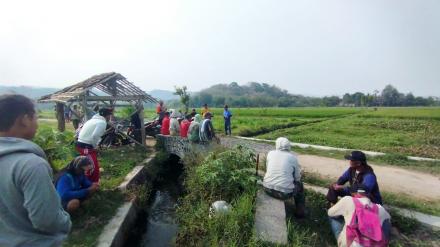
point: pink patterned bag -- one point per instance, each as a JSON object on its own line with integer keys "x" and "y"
{"x": 365, "y": 226}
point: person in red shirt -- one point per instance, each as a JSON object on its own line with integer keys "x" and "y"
{"x": 165, "y": 128}
{"x": 184, "y": 126}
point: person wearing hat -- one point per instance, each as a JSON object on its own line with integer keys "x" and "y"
{"x": 89, "y": 137}
{"x": 359, "y": 173}
{"x": 342, "y": 213}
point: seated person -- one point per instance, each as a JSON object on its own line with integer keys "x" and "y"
{"x": 206, "y": 128}
{"x": 184, "y": 126}
{"x": 342, "y": 213}
{"x": 73, "y": 186}
{"x": 283, "y": 175}
{"x": 174, "y": 124}
{"x": 358, "y": 173}
{"x": 165, "y": 127}
{"x": 194, "y": 128}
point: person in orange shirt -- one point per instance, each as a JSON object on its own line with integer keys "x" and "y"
{"x": 205, "y": 109}
{"x": 160, "y": 110}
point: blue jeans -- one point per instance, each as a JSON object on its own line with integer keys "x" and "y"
{"x": 337, "y": 224}
{"x": 227, "y": 128}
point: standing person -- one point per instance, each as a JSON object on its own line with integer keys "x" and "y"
{"x": 283, "y": 175}
{"x": 227, "y": 117}
{"x": 73, "y": 186}
{"x": 174, "y": 124}
{"x": 30, "y": 210}
{"x": 207, "y": 132}
{"x": 358, "y": 173}
{"x": 193, "y": 112}
{"x": 205, "y": 110}
{"x": 89, "y": 137}
{"x": 76, "y": 116}
{"x": 347, "y": 217}
{"x": 165, "y": 127}
{"x": 160, "y": 110}
{"x": 194, "y": 128}
{"x": 184, "y": 126}
{"x": 66, "y": 114}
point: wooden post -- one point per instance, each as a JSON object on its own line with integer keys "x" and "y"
{"x": 84, "y": 106}
{"x": 60, "y": 117}
{"x": 140, "y": 108}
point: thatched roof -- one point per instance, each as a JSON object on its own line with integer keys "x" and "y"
{"x": 113, "y": 84}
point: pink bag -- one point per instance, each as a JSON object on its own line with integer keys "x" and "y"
{"x": 365, "y": 227}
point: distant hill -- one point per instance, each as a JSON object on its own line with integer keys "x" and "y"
{"x": 252, "y": 94}
{"x": 163, "y": 94}
{"x": 31, "y": 92}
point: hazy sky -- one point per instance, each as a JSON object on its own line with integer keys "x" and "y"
{"x": 312, "y": 47}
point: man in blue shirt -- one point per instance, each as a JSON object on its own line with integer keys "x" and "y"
{"x": 227, "y": 116}
{"x": 359, "y": 173}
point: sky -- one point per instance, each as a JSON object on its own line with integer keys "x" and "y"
{"x": 310, "y": 47}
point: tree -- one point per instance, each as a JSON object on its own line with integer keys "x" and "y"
{"x": 184, "y": 96}
{"x": 390, "y": 96}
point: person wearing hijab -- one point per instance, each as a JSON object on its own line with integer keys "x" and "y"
{"x": 72, "y": 184}
{"x": 174, "y": 124}
{"x": 194, "y": 128}
{"x": 283, "y": 175}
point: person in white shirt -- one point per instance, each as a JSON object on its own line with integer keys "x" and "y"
{"x": 283, "y": 175}
{"x": 342, "y": 213}
{"x": 89, "y": 137}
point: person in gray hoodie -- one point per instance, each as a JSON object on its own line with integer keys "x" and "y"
{"x": 30, "y": 208}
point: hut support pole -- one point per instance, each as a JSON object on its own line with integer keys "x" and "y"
{"x": 140, "y": 108}
{"x": 60, "y": 117}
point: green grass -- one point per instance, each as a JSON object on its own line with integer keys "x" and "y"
{"x": 402, "y": 136}
{"x": 406, "y": 112}
{"x": 88, "y": 222}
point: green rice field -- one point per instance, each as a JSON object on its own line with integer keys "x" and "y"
{"x": 411, "y": 131}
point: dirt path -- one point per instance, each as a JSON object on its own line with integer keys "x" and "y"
{"x": 391, "y": 179}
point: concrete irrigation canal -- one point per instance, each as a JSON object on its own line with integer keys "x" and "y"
{"x": 154, "y": 222}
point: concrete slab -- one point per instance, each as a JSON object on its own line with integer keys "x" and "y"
{"x": 270, "y": 219}
{"x": 136, "y": 175}
{"x": 113, "y": 234}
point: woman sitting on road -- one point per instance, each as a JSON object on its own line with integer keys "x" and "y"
{"x": 73, "y": 186}
{"x": 194, "y": 127}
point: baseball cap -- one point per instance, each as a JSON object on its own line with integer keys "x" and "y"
{"x": 356, "y": 156}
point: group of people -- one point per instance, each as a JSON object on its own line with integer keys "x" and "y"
{"x": 356, "y": 219}
{"x": 35, "y": 207}
{"x": 196, "y": 127}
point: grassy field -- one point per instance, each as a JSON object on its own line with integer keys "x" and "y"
{"x": 411, "y": 131}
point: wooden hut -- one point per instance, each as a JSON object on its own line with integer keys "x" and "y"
{"x": 109, "y": 89}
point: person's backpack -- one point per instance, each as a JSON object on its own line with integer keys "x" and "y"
{"x": 365, "y": 227}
